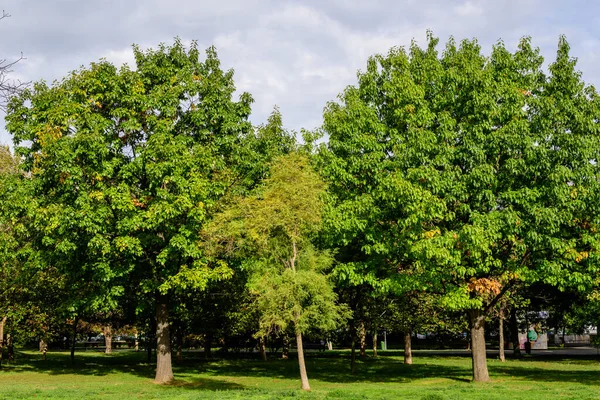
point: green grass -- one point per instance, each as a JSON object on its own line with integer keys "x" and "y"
{"x": 126, "y": 376}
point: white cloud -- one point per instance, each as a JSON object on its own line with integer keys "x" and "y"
{"x": 468, "y": 9}
{"x": 296, "y": 54}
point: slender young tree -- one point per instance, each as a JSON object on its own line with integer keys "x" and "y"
{"x": 275, "y": 229}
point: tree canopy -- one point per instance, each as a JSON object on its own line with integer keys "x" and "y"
{"x": 462, "y": 174}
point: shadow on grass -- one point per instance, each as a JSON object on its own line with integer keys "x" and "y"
{"x": 534, "y": 374}
{"x": 201, "y": 374}
{"x": 205, "y": 384}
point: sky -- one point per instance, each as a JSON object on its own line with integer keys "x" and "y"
{"x": 297, "y": 55}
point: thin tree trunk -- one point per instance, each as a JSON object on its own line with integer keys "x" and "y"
{"x": 362, "y": 335}
{"x": 352, "y": 347}
{"x": 353, "y": 357}
{"x": 478, "y": 351}
{"x": 303, "y": 375}
{"x": 263, "y": 349}
{"x": 2, "y": 323}
{"x": 179, "y": 341}
{"x": 208, "y": 345}
{"x": 10, "y": 349}
{"x": 408, "y": 347}
{"x": 108, "y": 339}
{"x": 514, "y": 333}
{"x": 74, "y": 339}
{"x": 149, "y": 346}
{"x": 375, "y": 344}
{"x": 527, "y": 342}
{"x": 164, "y": 370}
{"x": 286, "y": 346}
{"x": 43, "y": 348}
{"x": 501, "y": 337}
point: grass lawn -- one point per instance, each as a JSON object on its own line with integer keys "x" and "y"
{"x": 125, "y": 375}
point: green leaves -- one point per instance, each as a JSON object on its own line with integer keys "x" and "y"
{"x": 273, "y": 230}
{"x": 464, "y": 166}
{"x": 128, "y": 166}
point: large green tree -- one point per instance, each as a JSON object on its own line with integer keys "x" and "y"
{"x": 464, "y": 173}
{"x": 128, "y": 166}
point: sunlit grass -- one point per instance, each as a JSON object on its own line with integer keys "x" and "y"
{"x": 127, "y": 375}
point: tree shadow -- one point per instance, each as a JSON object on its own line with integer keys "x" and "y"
{"x": 337, "y": 370}
{"x": 537, "y": 374}
{"x": 206, "y": 384}
{"x": 327, "y": 367}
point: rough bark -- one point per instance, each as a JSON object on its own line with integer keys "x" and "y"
{"x": 501, "y": 338}
{"x": 514, "y": 333}
{"x": 408, "y": 347}
{"x": 164, "y": 370}
{"x": 74, "y": 339}
{"x": 362, "y": 336}
{"x": 107, "y": 330}
{"x": 262, "y": 348}
{"x": 374, "y": 344}
{"x": 478, "y": 351}
{"x": 302, "y": 365}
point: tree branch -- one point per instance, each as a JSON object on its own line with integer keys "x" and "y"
{"x": 9, "y": 87}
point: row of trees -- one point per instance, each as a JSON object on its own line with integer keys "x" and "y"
{"x": 439, "y": 184}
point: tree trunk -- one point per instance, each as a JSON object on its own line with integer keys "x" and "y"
{"x": 501, "y": 337}
{"x": 149, "y": 341}
{"x": 362, "y": 335}
{"x": 478, "y": 352}
{"x": 208, "y": 345}
{"x": 107, "y": 339}
{"x": 514, "y": 333}
{"x": 408, "y": 347}
{"x": 353, "y": 357}
{"x": 375, "y": 344}
{"x": 10, "y": 348}
{"x": 263, "y": 349}
{"x": 74, "y": 339}
{"x": 179, "y": 341}
{"x": 527, "y": 343}
{"x": 164, "y": 370}
{"x": 2, "y": 323}
{"x": 286, "y": 347}
{"x": 43, "y": 348}
{"x": 303, "y": 375}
